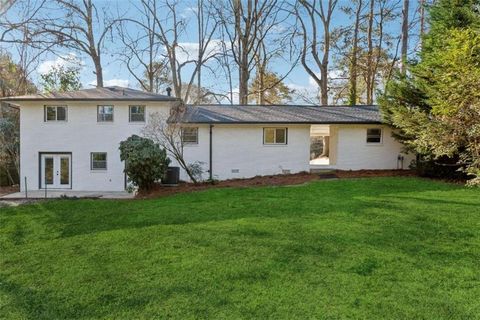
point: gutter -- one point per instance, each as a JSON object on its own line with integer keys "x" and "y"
{"x": 113, "y": 99}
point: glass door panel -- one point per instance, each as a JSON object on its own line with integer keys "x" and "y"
{"x": 64, "y": 170}
{"x": 48, "y": 170}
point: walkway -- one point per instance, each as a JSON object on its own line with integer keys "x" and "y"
{"x": 39, "y": 194}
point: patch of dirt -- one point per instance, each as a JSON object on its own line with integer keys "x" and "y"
{"x": 276, "y": 180}
{"x": 8, "y": 190}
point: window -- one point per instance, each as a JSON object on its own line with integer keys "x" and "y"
{"x": 190, "y": 135}
{"x": 55, "y": 113}
{"x": 275, "y": 135}
{"x": 137, "y": 114}
{"x": 374, "y": 135}
{"x": 104, "y": 113}
{"x": 98, "y": 161}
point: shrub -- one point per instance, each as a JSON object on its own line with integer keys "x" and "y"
{"x": 145, "y": 161}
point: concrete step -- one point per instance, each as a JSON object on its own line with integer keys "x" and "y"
{"x": 322, "y": 170}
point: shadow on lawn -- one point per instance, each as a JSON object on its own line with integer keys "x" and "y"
{"x": 77, "y": 217}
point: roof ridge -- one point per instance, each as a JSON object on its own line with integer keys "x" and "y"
{"x": 281, "y": 105}
{"x": 110, "y": 93}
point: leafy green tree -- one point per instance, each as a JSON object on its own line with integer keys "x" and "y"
{"x": 13, "y": 78}
{"x": 61, "y": 78}
{"x": 436, "y": 105}
{"x": 145, "y": 161}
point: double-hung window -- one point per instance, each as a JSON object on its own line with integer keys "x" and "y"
{"x": 98, "y": 161}
{"x": 190, "y": 135}
{"x": 55, "y": 113}
{"x": 374, "y": 135}
{"x": 104, "y": 113}
{"x": 275, "y": 135}
{"x": 137, "y": 113}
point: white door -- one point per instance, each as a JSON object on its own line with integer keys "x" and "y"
{"x": 55, "y": 171}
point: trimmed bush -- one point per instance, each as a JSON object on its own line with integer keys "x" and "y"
{"x": 145, "y": 161}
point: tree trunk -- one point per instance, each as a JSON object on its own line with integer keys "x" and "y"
{"x": 243, "y": 44}
{"x": 201, "y": 39}
{"x": 98, "y": 71}
{"x": 244, "y": 76}
{"x": 422, "y": 20}
{"x": 404, "y": 50}
{"x": 324, "y": 85}
{"x": 325, "y": 60}
{"x": 261, "y": 88}
{"x": 370, "y": 76}
{"x": 353, "y": 64}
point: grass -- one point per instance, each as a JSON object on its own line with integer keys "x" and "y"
{"x": 395, "y": 248}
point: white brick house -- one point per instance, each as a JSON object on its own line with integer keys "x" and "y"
{"x": 70, "y": 140}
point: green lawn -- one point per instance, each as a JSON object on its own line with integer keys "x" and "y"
{"x": 398, "y": 248}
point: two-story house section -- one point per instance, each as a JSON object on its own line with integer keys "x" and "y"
{"x": 70, "y": 140}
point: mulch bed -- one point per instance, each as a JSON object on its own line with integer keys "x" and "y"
{"x": 277, "y": 180}
{"x": 375, "y": 173}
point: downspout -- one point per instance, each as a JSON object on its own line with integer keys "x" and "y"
{"x": 210, "y": 155}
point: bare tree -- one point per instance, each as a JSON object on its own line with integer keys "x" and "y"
{"x": 168, "y": 134}
{"x": 5, "y": 6}
{"x": 207, "y": 26}
{"x": 224, "y": 59}
{"x": 16, "y": 28}
{"x": 353, "y": 62}
{"x": 169, "y": 25}
{"x": 387, "y": 12}
{"x": 375, "y": 56}
{"x": 370, "y": 79}
{"x": 76, "y": 25}
{"x": 141, "y": 50}
{"x": 309, "y": 15}
{"x": 17, "y": 34}
{"x": 247, "y": 25}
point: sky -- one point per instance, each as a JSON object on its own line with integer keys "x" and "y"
{"x": 116, "y": 74}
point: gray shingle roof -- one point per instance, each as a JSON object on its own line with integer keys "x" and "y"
{"x": 106, "y": 93}
{"x": 224, "y": 114}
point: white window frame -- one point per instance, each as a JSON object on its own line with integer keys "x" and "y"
{"x": 183, "y": 134}
{"x": 130, "y": 113}
{"x": 275, "y": 143}
{"x": 45, "y": 108}
{"x": 91, "y": 161}
{"x": 103, "y": 114}
{"x": 367, "y": 136}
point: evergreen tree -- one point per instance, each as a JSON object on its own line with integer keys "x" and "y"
{"x": 436, "y": 105}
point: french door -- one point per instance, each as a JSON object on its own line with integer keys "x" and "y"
{"x": 56, "y": 171}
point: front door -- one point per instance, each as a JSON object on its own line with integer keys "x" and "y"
{"x": 55, "y": 171}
